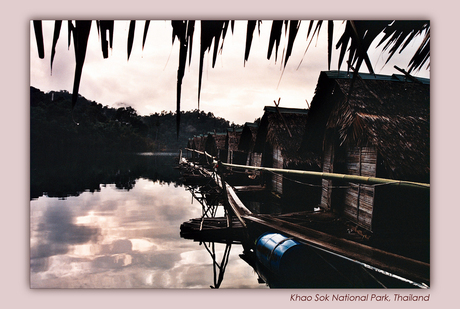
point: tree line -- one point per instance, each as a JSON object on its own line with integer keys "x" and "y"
{"x": 57, "y": 128}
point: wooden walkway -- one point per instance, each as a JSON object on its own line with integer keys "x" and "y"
{"x": 405, "y": 269}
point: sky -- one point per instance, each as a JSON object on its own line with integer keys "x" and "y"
{"x": 233, "y": 89}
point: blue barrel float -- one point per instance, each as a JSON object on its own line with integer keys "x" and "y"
{"x": 287, "y": 263}
{"x": 279, "y": 253}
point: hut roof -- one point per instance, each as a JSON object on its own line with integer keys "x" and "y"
{"x": 283, "y": 129}
{"x": 248, "y": 137}
{"x": 388, "y": 112}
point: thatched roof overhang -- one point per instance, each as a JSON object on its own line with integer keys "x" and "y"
{"x": 387, "y": 112}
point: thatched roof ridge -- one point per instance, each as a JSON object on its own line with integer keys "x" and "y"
{"x": 387, "y": 112}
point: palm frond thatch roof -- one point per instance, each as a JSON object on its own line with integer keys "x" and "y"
{"x": 390, "y": 113}
{"x": 282, "y": 128}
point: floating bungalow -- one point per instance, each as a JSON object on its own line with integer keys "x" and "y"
{"x": 215, "y": 145}
{"x": 278, "y": 139}
{"x": 246, "y": 144}
{"x": 373, "y": 126}
{"x": 357, "y": 166}
{"x": 234, "y": 155}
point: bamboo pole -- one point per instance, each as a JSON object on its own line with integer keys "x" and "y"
{"x": 331, "y": 176}
{"x": 337, "y": 176}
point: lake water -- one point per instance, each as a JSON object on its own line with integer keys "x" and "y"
{"x": 114, "y": 222}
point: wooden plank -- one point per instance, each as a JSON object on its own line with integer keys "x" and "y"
{"x": 416, "y": 271}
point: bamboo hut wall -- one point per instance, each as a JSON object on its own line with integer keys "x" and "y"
{"x": 328, "y": 167}
{"x": 277, "y": 180}
{"x": 254, "y": 159}
{"x": 231, "y": 144}
{"x": 233, "y": 139}
{"x": 197, "y": 144}
{"x": 359, "y": 204}
{"x": 359, "y": 199}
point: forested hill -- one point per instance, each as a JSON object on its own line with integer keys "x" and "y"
{"x": 56, "y": 127}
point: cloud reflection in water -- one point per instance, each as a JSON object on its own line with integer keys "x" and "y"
{"x": 123, "y": 239}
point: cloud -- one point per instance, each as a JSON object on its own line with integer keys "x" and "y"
{"x": 60, "y": 229}
{"x": 116, "y": 247}
{"x": 135, "y": 232}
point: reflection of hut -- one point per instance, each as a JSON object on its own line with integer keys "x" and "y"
{"x": 278, "y": 139}
{"x": 232, "y": 140}
{"x": 381, "y": 130}
{"x": 246, "y": 144}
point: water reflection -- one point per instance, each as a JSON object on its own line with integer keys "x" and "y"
{"x": 218, "y": 268}
{"x": 107, "y": 237}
